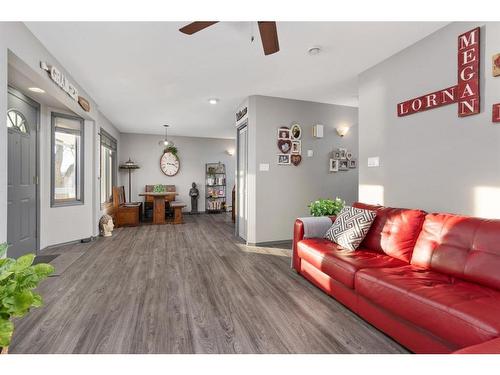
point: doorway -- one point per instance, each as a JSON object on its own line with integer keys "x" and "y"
{"x": 242, "y": 172}
{"x": 22, "y": 174}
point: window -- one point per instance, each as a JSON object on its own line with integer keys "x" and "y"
{"x": 108, "y": 166}
{"x": 16, "y": 121}
{"x": 67, "y": 160}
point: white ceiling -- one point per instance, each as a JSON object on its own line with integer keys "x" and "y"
{"x": 145, "y": 74}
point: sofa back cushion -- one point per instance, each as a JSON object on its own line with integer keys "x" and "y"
{"x": 461, "y": 246}
{"x": 394, "y": 231}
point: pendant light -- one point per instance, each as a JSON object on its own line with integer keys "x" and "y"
{"x": 165, "y": 142}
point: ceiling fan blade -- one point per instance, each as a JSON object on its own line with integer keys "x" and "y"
{"x": 269, "y": 36}
{"x": 194, "y": 27}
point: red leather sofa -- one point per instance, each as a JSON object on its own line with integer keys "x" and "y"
{"x": 430, "y": 281}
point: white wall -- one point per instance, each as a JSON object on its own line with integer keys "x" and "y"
{"x": 19, "y": 47}
{"x": 193, "y": 154}
{"x": 279, "y": 196}
{"x": 431, "y": 160}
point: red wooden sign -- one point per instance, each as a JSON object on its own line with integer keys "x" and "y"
{"x": 496, "y": 112}
{"x": 465, "y": 93}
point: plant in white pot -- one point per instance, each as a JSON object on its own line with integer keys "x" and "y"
{"x": 18, "y": 278}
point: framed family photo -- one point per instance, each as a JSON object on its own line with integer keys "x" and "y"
{"x": 334, "y": 165}
{"x": 283, "y": 159}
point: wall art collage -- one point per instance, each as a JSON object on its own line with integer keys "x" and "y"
{"x": 342, "y": 160}
{"x": 290, "y": 145}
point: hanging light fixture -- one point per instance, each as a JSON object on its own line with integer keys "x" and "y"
{"x": 165, "y": 142}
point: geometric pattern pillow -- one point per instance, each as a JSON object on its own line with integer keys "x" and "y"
{"x": 350, "y": 227}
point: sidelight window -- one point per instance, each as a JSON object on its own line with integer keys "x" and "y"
{"x": 67, "y": 160}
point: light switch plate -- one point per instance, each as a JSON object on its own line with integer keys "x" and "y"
{"x": 264, "y": 167}
{"x": 310, "y": 153}
{"x": 374, "y": 161}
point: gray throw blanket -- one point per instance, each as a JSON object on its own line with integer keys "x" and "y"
{"x": 316, "y": 227}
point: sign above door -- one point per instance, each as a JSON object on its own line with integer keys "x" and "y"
{"x": 465, "y": 92}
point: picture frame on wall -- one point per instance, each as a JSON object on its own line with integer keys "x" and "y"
{"x": 283, "y": 133}
{"x": 334, "y": 165}
{"x": 343, "y": 153}
{"x": 295, "y": 132}
{"x": 336, "y": 154}
{"x": 348, "y": 155}
{"x": 352, "y": 163}
{"x": 496, "y": 65}
{"x": 343, "y": 165}
{"x": 296, "y": 147}
{"x": 283, "y": 159}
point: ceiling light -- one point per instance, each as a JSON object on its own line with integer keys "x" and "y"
{"x": 213, "y": 101}
{"x": 165, "y": 143}
{"x": 37, "y": 89}
{"x": 313, "y": 51}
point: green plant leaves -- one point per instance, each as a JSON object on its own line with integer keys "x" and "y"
{"x": 18, "y": 278}
{"x": 3, "y": 249}
{"x": 6, "y": 330}
{"x": 24, "y": 262}
{"x": 326, "y": 207}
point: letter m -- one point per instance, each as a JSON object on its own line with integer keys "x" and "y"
{"x": 468, "y": 39}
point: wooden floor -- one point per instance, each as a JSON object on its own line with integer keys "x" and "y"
{"x": 189, "y": 288}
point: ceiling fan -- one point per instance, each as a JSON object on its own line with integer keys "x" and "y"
{"x": 268, "y": 33}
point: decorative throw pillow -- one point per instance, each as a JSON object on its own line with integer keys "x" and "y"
{"x": 350, "y": 227}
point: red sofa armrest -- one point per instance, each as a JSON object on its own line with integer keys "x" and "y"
{"x": 488, "y": 347}
{"x": 298, "y": 235}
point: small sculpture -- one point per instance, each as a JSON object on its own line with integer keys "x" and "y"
{"x": 106, "y": 225}
{"x": 194, "y": 193}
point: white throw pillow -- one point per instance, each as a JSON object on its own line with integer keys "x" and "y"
{"x": 350, "y": 227}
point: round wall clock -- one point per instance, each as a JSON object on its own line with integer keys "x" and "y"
{"x": 169, "y": 164}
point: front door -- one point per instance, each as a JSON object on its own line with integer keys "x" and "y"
{"x": 22, "y": 120}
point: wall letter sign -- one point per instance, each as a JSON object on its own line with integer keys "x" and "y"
{"x": 465, "y": 93}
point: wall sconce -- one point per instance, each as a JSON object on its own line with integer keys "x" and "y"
{"x": 342, "y": 130}
{"x": 230, "y": 152}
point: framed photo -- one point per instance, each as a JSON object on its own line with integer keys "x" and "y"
{"x": 334, "y": 165}
{"x": 336, "y": 154}
{"x": 343, "y": 165}
{"x": 283, "y": 133}
{"x": 352, "y": 163}
{"x": 295, "y": 131}
{"x": 343, "y": 153}
{"x": 283, "y": 159}
{"x": 296, "y": 147}
{"x": 348, "y": 155}
{"x": 496, "y": 65}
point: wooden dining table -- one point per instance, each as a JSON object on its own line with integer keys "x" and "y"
{"x": 158, "y": 204}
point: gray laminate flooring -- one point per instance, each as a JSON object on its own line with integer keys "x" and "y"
{"x": 191, "y": 288}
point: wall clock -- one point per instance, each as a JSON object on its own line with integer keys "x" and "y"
{"x": 169, "y": 164}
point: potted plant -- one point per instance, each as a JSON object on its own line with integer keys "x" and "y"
{"x": 326, "y": 207}
{"x": 18, "y": 278}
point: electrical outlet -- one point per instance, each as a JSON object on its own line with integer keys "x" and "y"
{"x": 373, "y": 161}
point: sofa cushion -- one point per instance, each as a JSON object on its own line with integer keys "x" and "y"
{"x": 394, "y": 231}
{"x": 460, "y": 246}
{"x": 350, "y": 227}
{"x": 459, "y": 312}
{"x": 340, "y": 264}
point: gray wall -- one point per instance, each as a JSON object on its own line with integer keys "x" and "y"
{"x": 193, "y": 154}
{"x": 431, "y": 160}
{"x": 283, "y": 193}
{"x": 22, "y": 50}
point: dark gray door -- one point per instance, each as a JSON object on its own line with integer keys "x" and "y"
{"x": 22, "y": 119}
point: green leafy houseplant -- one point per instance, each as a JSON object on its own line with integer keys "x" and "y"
{"x": 171, "y": 149}
{"x": 326, "y": 207}
{"x": 18, "y": 278}
{"x": 159, "y": 188}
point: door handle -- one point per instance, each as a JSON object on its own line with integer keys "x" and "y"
{"x": 35, "y": 180}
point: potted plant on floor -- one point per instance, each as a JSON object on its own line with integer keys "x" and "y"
{"x": 18, "y": 278}
{"x": 326, "y": 207}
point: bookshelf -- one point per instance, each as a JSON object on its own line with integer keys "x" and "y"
{"x": 215, "y": 188}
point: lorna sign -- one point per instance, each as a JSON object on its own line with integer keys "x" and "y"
{"x": 465, "y": 93}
